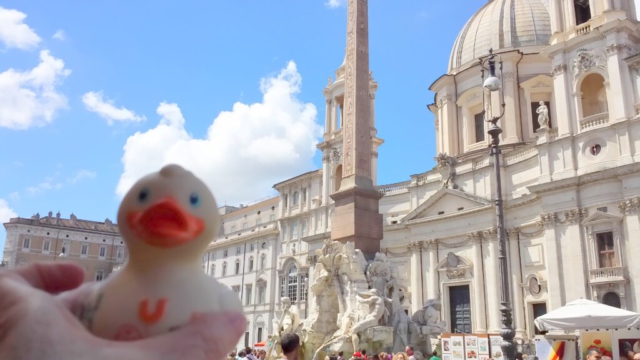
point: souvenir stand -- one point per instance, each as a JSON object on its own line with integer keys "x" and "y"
{"x": 615, "y": 332}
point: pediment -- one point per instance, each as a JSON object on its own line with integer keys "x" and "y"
{"x": 446, "y": 201}
{"x": 455, "y": 266}
{"x": 600, "y": 217}
{"x": 541, "y": 82}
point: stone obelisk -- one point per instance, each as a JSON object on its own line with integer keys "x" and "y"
{"x": 356, "y": 216}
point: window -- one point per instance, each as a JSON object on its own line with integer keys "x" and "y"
{"x": 294, "y": 230}
{"x": 258, "y": 221}
{"x": 120, "y": 254}
{"x": 236, "y": 289}
{"x": 251, "y": 264}
{"x": 252, "y": 247}
{"x": 237, "y": 267}
{"x": 582, "y": 10}
{"x": 245, "y": 226}
{"x": 26, "y": 243}
{"x": 225, "y": 253}
{"x": 534, "y": 114}
{"x": 262, "y": 292}
{"x": 65, "y": 249}
{"x": 263, "y": 262}
{"x": 538, "y": 310}
{"x": 272, "y": 217}
{"x": 212, "y": 256}
{"x": 303, "y": 229}
{"x": 284, "y": 233}
{"x": 304, "y": 195}
{"x": 259, "y": 338}
{"x": 478, "y": 121}
{"x": 292, "y": 284}
{"x": 606, "y": 251}
{"x": 296, "y": 198}
{"x": 460, "y": 308}
{"x": 224, "y": 269}
{"x": 84, "y": 250}
{"x": 99, "y": 275}
{"x": 212, "y": 270}
{"x": 246, "y": 339}
{"x": 238, "y": 250}
{"x": 283, "y": 286}
{"x": 46, "y": 246}
{"x": 103, "y": 252}
{"x": 247, "y": 294}
{"x": 285, "y": 201}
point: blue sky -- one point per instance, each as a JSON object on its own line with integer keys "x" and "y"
{"x": 96, "y": 94}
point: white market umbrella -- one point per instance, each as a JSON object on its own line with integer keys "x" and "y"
{"x": 585, "y": 314}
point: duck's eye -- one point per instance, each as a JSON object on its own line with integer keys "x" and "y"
{"x": 194, "y": 199}
{"x": 143, "y": 195}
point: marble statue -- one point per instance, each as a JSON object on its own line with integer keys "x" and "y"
{"x": 289, "y": 322}
{"x": 543, "y": 115}
{"x": 429, "y": 318}
{"x": 377, "y": 313}
{"x": 446, "y": 167}
{"x": 348, "y": 308}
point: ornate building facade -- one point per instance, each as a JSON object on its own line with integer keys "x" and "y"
{"x": 570, "y": 170}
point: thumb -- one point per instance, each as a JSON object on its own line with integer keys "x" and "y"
{"x": 207, "y": 336}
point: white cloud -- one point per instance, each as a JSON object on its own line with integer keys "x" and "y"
{"x": 41, "y": 187}
{"x": 60, "y": 35}
{"x": 82, "y": 175}
{"x": 335, "y": 3}
{"x": 6, "y": 212}
{"x": 107, "y": 110}
{"x": 14, "y": 33}
{"x": 30, "y": 98}
{"x": 246, "y": 150}
{"x": 14, "y": 196}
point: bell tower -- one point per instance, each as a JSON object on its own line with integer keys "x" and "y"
{"x": 356, "y": 214}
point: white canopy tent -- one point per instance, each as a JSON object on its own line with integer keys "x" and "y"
{"x": 586, "y": 315}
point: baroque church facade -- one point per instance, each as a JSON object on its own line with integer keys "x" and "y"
{"x": 571, "y": 183}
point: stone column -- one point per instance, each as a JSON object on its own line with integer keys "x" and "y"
{"x": 554, "y": 285}
{"x": 517, "y": 302}
{"x": 336, "y": 116}
{"x": 493, "y": 281}
{"x": 373, "y": 112}
{"x": 575, "y": 246}
{"x": 479, "y": 307}
{"x": 416, "y": 286}
{"x": 619, "y": 80}
{"x": 563, "y": 98}
{"x": 433, "y": 283}
{"x": 571, "y": 13}
{"x": 631, "y": 225}
{"x": 327, "y": 117}
{"x": 511, "y": 96}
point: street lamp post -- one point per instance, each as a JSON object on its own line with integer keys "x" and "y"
{"x": 491, "y": 85}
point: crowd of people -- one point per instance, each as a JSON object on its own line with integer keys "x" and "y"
{"x": 290, "y": 344}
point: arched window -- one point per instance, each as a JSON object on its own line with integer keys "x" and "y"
{"x": 263, "y": 262}
{"x": 292, "y": 283}
{"x": 212, "y": 270}
{"x": 250, "y": 264}
{"x": 224, "y": 269}
{"x": 612, "y": 299}
{"x": 296, "y": 198}
{"x": 593, "y": 95}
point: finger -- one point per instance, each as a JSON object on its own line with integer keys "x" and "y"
{"x": 52, "y": 277}
{"x": 208, "y": 336}
{"x": 74, "y": 299}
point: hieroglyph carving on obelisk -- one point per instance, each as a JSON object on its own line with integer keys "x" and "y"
{"x": 356, "y": 127}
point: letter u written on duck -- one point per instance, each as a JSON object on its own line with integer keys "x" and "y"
{"x": 152, "y": 316}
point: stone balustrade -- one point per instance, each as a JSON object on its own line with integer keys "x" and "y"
{"x": 394, "y": 188}
{"x": 603, "y": 275}
{"x": 594, "y": 121}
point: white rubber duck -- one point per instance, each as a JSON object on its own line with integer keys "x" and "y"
{"x": 167, "y": 220}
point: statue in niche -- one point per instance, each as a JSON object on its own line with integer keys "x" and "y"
{"x": 543, "y": 115}
{"x": 377, "y": 313}
{"x": 429, "y": 317}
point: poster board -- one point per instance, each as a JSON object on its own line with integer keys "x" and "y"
{"x": 471, "y": 347}
{"x": 612, "y": 343}
{"x": 495, "y": 342}
{"x": 483, "y": 345}
{"x": 457, "y": 347}
{"x": 555, "y": 349}
{"x": 465, "y": 346}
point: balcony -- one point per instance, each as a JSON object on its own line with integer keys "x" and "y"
{"x": 594, "y": 121}
{"x": 606, "y": 275}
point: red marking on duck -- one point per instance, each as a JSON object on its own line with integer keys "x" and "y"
{"x": 150, "y": 318}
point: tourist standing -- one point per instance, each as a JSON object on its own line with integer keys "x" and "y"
{"x": 434, "y": 355}
{"x": 290, "y": 344}
{"x": 409, "y": 351}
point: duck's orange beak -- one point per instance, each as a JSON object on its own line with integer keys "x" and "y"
{"x": 165, "y": 224}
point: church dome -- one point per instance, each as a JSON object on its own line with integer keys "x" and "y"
{"x": 502, "y": 24}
